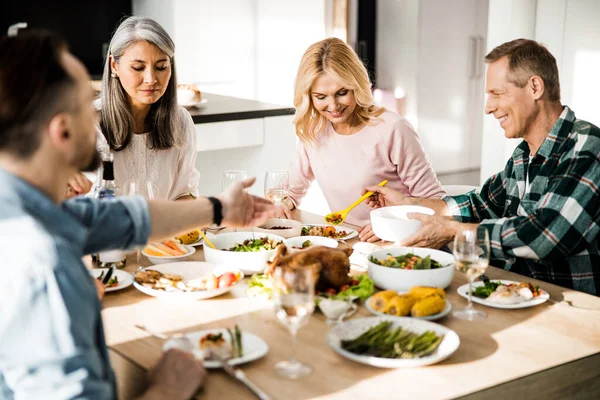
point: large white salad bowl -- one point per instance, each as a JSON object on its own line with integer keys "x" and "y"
{"x": 392, "y": 224}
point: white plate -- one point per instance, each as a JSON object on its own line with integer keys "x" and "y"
{"x": 351, "y": 232}
{"x": 433, "y": 317}
{"x": 355, "y": 327}
{"x": 200, "y": 104}
{"x": 125, "y": 278}
{"x": 200, "y": 241}
{"x": 464, "y": 292}
{"x": 253, "y": 347}
{"x": 188, "y": 270}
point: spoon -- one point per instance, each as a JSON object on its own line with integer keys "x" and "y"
{"x": 336, "y": 218}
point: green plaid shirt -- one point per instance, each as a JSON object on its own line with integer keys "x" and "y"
{"x": 551, "y": 232}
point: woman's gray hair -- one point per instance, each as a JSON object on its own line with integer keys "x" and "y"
{"x": 116, "y": 118}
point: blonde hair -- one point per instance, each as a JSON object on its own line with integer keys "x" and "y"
{"x": 335, "y": 57}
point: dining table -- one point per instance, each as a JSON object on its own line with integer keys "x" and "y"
{"x": 548, "y": 351}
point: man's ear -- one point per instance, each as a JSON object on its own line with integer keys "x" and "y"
{"x": 58, "y": 129}
{"x": 537, "y": 87}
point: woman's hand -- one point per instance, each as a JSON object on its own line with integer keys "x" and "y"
{"x": 285, "y": 210}
{"x": 77, "y": 185}
{"x": 366, "y": 234}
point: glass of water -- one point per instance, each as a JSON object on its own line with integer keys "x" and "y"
{"x": 294, "y": 298}
{"x": 277, "y": 186}
{"x": 472, "y": 254}
{"x": 231, "y": 176}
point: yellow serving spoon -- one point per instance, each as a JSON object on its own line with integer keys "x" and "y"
{"x": 336, "y": 218}
{"x": 208, "y": 242}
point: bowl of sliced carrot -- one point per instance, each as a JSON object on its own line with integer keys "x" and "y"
{"x": 167, "y": 251}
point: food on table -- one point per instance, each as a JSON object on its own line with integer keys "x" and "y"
{"x": 306, "y": 244}
{"x": 258, "y": 244}
{"x": 380, "y": 301}
{"x": 327, "y": 231}
{"x": 429, "y": 305}
{"x": 174, "y": 283}
{"x": 420, "y": 301}
{"x": 215, "y": 342}
{"x": 507, "y": 294}
{"x": 383, "y": 340}
{"x": 189, "y": 237}
{"x": 167, "y": 248}
{"x": 407, "y": 261}
{"x": 188, "y": 94}
{"x": 334, "y": 218}
{"x": 279, "y": 227}
{"x": 400, "y": 305}
{"x": 112, "y": 282}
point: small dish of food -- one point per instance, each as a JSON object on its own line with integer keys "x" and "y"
{"x": 285, "y": 228}
{"x": 304, "y": 242}
{"x": 505, "y": 294}
{"x": 167, "y": 251}
{"x": 420, "y": 302}
{"x": 329, "y": 231}
{"x": 119, "y": 280}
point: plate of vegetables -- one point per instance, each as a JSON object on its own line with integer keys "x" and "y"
{"x": 330, "y": 231}
{"x": 258, "y": 244}
{"x": 419, "y": 302}
{"x": 505, "y": 294}
{"x": 393, "y": 343}
{"x": 407, "y": 261}
{"x": 119, "y": 280}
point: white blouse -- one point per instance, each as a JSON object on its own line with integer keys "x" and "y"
{"x": 171, "y": 173}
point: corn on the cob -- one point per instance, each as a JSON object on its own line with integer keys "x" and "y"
{"x": 380, "y": 300}
{"x": 400, "y": 305}
{"x": 428, "y": 306}
{"x": 189, "y": 237}
{"x": 420, "y": 292}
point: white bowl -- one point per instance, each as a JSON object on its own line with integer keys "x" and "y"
{"x": 401, "y": 280}
{"x": 315, "y": 240}
{"x": 295, "y": 227}
{"x": 248, "y": 262}
{"x": 392, "y": 224}
{"x": 169, "y": 259}
{"x": 189, "y": 270}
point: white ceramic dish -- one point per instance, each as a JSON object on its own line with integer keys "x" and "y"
{"x": 464, "y": 292}
{"x": 314, "y": 240}
{"x": 125, "y": 279}
{"x": 355, "y": 327}
{"x": 200, "y": 240}
{"x": 401, "y": 280}
{"x": 248, "y": 262}
{"x": 359, "y": 259}
{"x": 392, "y": 224}
{"x": 169, "y": 259}
{"x": 350, "y": 232}
{"x": 196, "y": 104}
{"x": 295, "y": 227}
{"x": 433, "y": 317}
{"x": 188, "y": 270}
{"x": 253, "y": 347}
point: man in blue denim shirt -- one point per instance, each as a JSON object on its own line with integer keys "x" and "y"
{"x": 52, "y": 342}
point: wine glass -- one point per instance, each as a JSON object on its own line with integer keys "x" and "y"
{"x": 231, "y": 176}
{"x": 277, "y": 186}
{"x": 135, "y": 187}
{"x": 293, "y": 295}
{"x": 472, "y": 253}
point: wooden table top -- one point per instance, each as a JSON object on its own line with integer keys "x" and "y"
{"x": 508, "y": 345}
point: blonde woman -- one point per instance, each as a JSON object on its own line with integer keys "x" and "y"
{"x": 152, "y": 138}
{"x": 346, "y": 142}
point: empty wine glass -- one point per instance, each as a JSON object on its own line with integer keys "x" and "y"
{"x": 277, "y": 186}
{"x": 137, "y": 187}
{"x": 472, "y": 253}
{"x": 293, "y": 295}
{"x": 231, "y": 176}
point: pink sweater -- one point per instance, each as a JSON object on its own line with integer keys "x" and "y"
{"x": 344, "y": 165}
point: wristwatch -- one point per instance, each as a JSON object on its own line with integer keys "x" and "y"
{"x": 217, "y": 210}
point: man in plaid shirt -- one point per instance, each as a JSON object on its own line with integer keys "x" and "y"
{"x": 542, "y": 211}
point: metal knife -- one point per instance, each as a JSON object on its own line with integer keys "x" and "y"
{"x": 240, "y": 376}
{"x": 108, "y": 275}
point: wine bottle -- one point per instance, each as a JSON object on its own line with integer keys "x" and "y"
{"x": 107, "y": 190}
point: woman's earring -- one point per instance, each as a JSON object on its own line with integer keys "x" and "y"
{"x": 113, "y": 75}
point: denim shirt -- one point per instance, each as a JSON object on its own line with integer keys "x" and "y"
{"x": 52, "y": 343}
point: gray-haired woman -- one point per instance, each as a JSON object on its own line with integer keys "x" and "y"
{"x": 152, "y": 138}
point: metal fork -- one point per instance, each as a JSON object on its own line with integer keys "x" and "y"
{"x": 239, "y": 375}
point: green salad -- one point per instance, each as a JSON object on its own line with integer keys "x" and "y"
{"x": 258, "y": 244}
{"x": 407, "y": 261}
{"x": 484, "y": 291}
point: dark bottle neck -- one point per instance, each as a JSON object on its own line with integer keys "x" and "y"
{"x": 108, "y": 172}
